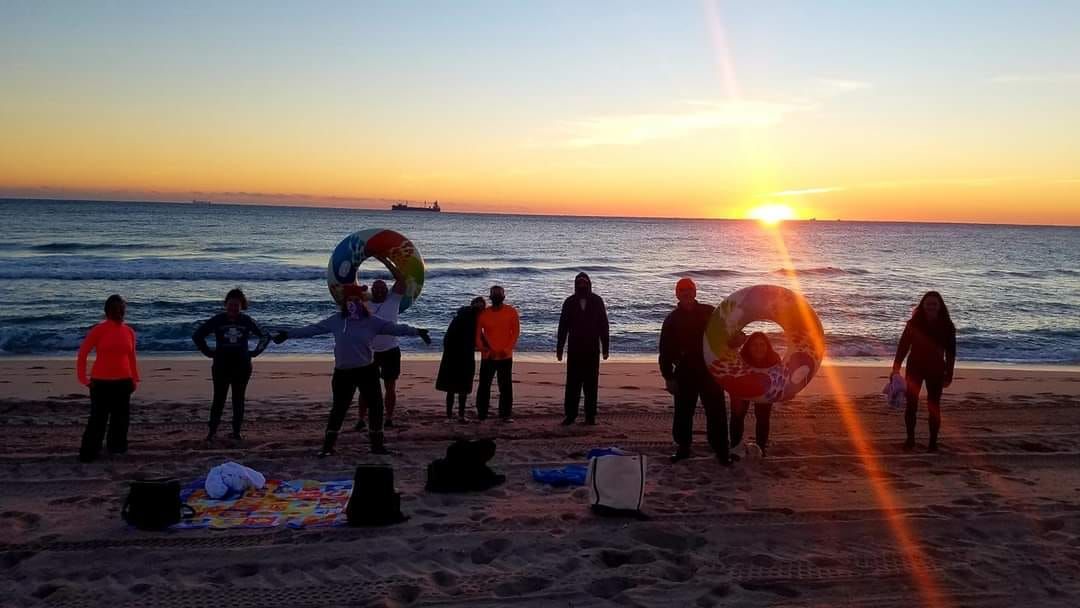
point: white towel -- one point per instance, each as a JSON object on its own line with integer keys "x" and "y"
{"x": 232, "y": 477}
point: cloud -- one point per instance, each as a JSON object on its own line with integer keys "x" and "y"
{"x": 808, "y": 191}
{"x": 837, "y": 86}
{"x": 631, "y": 129}
{"x": 1037, "y": 78}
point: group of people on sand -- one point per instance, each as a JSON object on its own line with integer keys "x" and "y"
{"x": 367, "y": 360}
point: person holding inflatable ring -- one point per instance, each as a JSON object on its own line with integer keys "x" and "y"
{"x": 929, "y": 345}
{"x": 385, "y": 304}
{"x": 757, "y": 352}
{"x": 687, "y": 378}
{"x": 353, "y": 328}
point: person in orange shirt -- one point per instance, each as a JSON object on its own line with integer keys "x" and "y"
{"x": 114, "y": 377}
{"x": 497, "y": 331}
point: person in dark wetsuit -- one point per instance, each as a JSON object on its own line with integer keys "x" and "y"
{"x": 682, "y": 364}
{"x": 929, "y": 345}
{"x": 232, "y": 358}
{"x": 757, "y": 352}
{"x": 584, "y": 321}
{"x": 458, "y": 364}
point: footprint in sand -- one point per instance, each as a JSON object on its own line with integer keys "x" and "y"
{"x": 630, "y": 387}
{"x": 489, "y": 550}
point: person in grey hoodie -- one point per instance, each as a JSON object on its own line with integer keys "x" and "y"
{"x": 354, "y": 328}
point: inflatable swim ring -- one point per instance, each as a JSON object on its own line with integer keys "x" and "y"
{"x": 802, "y": 331}
{"x": 362, "y": 244}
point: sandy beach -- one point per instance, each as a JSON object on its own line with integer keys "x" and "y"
{"x": 991, "y": 520}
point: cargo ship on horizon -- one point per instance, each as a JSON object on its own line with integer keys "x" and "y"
{"x": 405, "y": 207}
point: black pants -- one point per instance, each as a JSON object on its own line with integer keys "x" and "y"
{"x": 582, "y": 374}
{"x": 489, "y": 368}
{"x": 450, "y": 404}
{"x": 934, "y": 386}
{"x": 762, "y": 412}
{"x": 226, "y": 375}
{"x": 110, "y": 408}
{"x": 344, "y": 384}
{"x": 687, "y": 393}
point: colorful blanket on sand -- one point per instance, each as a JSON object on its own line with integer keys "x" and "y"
{"x": 299, "y": 503}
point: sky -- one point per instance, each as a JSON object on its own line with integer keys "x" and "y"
{"x": 907, "y": 110}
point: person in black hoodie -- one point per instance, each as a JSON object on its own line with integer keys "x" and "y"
{"x": 929, "y": 345}
{"x": 458, "y": 364}
{"x": 232, "y": 357}
{"x": 682, "y": 364}
{"x": 584, "y": 321}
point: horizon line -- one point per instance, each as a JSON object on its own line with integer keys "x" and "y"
{"x": 318, "y": 205}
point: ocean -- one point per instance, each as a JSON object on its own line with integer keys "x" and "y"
{"x": 1013, "y": 291}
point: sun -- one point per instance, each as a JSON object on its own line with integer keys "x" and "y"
{"x": 771, "y": 214}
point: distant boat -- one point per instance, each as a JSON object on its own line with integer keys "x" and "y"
{"x": 405, "y": 207}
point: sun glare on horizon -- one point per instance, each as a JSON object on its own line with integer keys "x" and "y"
{"x": 771, "y": 214}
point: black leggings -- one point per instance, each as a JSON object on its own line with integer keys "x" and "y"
{"x": 225, "y": 377}
{"x": 934, "y": 386}
{"x": 344, "y": 385}
{"x": 762, "y": 414}
{"x": 110, "y": 408}
{"x": 450, "y": 404}
{"x": 489, "y": 369}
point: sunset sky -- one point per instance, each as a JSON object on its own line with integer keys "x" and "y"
{"x": 941, "y": 111}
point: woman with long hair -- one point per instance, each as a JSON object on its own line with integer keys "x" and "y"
{"x": 757, "y": 352}
{"x": 929, "y": 345}
{"x": 458, "y": 365}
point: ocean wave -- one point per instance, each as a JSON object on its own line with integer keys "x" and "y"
{"x": 708, "y": 272}
{"x": 824, "y": 271}
{"x": 68, "y": 247}
{"x": 1030, "y": 274}
{"x": 149, "y": 269}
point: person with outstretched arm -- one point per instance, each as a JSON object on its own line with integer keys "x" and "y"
{"x": 232, "y": 355}
{"x": 497, "y": 331}
{"x": 385, "y": 304}
{"x": 354, "y": 369}
{"x": 929, "y": 345}
{"x": 686, "y": 377}
{"x": 112, "y": 380}
{"x": 584, "y": 334}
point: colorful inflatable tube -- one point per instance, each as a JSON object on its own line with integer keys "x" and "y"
{"x": 802, "y": 331}
{"x": 376, "y": 242}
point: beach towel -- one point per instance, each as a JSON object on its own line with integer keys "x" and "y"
{"x": 570, "y": 475}
{"x": 297, "y": 503}
{"x": 895, "y": 392}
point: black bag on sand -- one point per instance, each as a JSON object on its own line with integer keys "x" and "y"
{"x": 154, "y": 504}
{"x": 464, "y": 469}
{"x": 374, "y": 501}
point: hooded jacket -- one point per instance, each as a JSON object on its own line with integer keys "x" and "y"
{"x": 584, "y": 326}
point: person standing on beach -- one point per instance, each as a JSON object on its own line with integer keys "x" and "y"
{"x": 354, "y": 368}
{"x": 686, "y": 377}
{"x": 756, "y": 352}
{"x": 458, "y": 364}
{"x": 929, "y": 345}
{"x": 385, "y": 304}
{"x": 113, "y": 378}
{"x": 232, "y": 357}
{"x": 584, "y": 321}
{"x": 497, "y": 331}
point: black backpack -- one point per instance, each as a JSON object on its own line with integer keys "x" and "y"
{"x": 154, "y": 504}
{"x": 374, "y": 501}
{"x": 464, "y": 469}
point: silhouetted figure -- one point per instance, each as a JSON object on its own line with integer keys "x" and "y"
{"x": 458, "y": 364}
{"x": 929, "y": 344}
{"x": 583, "y": 331}
{"x": 682, "y": 364}
{"x": 232, "y": 357}
{"x": 757, "y": 352}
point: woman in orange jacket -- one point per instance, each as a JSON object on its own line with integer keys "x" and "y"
{"x": 114, "y": 377}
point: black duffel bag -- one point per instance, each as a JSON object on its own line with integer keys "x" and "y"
{"x": 154, "y": 504}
